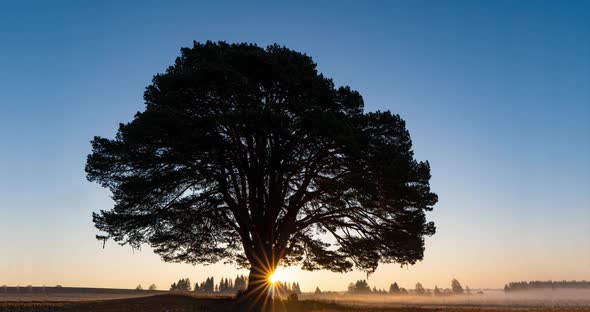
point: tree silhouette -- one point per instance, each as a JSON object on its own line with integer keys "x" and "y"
{"x": 209, "y": 285}
{"x": 249, "y": 155}
{"x": 419, "y": 290}
{"x": 184, "y": 284}
{"x": 351, "y": 288}
{"x": 394, "y": 288}
{"x": 456, "y": 286}
{"x": 515, "y": 286}
{"x": 240, "y": 283}
{"x": 361, "y": 286}
{"x": 296, "y": 288}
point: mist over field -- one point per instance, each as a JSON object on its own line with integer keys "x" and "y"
{"x": 545, "y": 298}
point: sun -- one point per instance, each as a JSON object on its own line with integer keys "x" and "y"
{"x": 277, "y": 276}
{"x": 273, "y": 278}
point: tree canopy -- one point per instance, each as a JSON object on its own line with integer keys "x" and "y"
{"x": 419, "y": 289}
{"x": 248, "y": 155}
{"x": 394, "y": 288}
{"x": 456, "y": 286}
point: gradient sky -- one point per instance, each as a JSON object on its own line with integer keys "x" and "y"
{"x": 496, "y": 95}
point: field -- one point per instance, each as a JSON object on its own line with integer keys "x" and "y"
{"x": 147, "y": 302}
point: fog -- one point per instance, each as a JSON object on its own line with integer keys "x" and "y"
{"x": 490, "y": 298}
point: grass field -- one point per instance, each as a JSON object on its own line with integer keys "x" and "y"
{"x": 188, "y": 303}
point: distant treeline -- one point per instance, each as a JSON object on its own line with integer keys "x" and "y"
{"x": 226, "y": 285}
{"x": 363, "y": 288}
{"x": 517, "y": 286}
{"x": 229, "y": 286}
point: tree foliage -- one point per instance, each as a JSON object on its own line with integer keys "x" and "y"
{"x": 456, "y": 286}
{"x": 249, "y": 155}
{"x": 394, "y": 288}
{"x": 361, "y": 286}
{"x": 184, "y": 284}
{"x": 437, "y": 291}
{"x": 512, "y": 286}
{"x": 419, "y": 290}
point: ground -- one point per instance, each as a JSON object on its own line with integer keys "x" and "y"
{"x": 188, "y": 303}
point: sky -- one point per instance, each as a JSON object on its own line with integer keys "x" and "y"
{"x": 496, "y": 96}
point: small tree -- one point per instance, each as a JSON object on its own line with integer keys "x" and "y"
{"x": 456, "y": 287}
{"x": 361, "y": 286}
{"x": 240, "y": 283}
{"x": 186, "y": 285}
{"x": 394, "y": 289}
{"x": 467, "y": 290}
{"x": 209, "y": 285}
{"x": 296, "y": 288}
{"x": 351, "y": 288}
{"x": 317, "y": 291}
{"x": 153, "y": 287}
{"x": 138, "y": 287}
{"x": 437, "y": 291}
{"x": 419, "y": 289}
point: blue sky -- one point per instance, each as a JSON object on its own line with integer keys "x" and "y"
{"x": 496, "y": 95}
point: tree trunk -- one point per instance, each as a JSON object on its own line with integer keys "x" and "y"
{"x": 259, "y": 292}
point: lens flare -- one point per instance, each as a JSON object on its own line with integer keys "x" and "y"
{"x": 273, "y": 278}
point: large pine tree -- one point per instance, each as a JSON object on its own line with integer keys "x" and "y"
{"x": 249, "y": 155}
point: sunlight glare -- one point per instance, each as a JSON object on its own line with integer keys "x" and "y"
{"x": 276, "y": 276}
